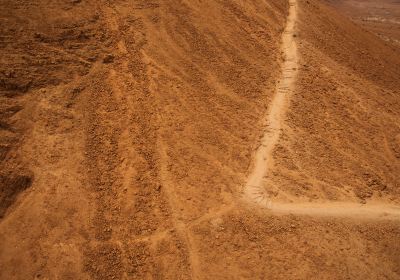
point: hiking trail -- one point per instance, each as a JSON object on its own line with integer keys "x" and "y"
{"x": 254, "y": 190}
{"x": 277, "y": 111}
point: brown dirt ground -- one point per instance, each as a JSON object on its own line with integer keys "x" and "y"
{"x": 127, "y": 129}
{"x": 381, "y": 17}
{"x": 341, "y": 142}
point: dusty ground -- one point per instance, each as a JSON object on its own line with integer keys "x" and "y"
{"x": 130, "y": 129}
{"x": 381, "y": 17}
{"x": 341, "y": 140}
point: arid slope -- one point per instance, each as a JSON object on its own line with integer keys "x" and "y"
{"x": 128, "y": 130}
{"x": 380, "y": 17}
{"x": 342, "y": 135}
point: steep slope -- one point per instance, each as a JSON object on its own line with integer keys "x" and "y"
{"x": 341, "y": 140}
{"x": 137, "y": 118}
{"x": 139, "y": 124}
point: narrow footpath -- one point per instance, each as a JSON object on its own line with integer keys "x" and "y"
{"x": 254, "y": 191}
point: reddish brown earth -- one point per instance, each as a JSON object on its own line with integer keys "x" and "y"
{"x": 381, "y": 17}
{"x": 129, "y": 131}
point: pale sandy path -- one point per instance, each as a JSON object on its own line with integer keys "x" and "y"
{"x": 377, "y": 211}
{"x": 254, "y": 191}
{"x": 277, "y": 111}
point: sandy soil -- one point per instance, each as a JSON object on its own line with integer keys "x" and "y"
{"x": 256, "y": 189}
{"x": 276, "y": 113}
{"x": 137, "y": 138}
{"x": 380, "y": 17}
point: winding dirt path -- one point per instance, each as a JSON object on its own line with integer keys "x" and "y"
{"x": 277, "y": 111}
{"x": 254, "y": 191}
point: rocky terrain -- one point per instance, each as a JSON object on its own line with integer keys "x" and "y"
{"x": 219, "y": 139}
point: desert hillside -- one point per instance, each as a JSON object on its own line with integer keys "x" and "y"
{"x": 380, "y": 17}
{"x": 195, "y": 139}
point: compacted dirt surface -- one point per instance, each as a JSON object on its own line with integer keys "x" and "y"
{"x": 198, "y": 140}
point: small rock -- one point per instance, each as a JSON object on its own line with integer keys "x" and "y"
{"x": 109, "y": 59}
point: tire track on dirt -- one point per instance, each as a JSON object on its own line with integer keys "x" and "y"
{"x": 131, "y": 216}
{"x": 182, "y": 228}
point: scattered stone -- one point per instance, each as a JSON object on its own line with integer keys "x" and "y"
{"x": 109, "y": 59}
